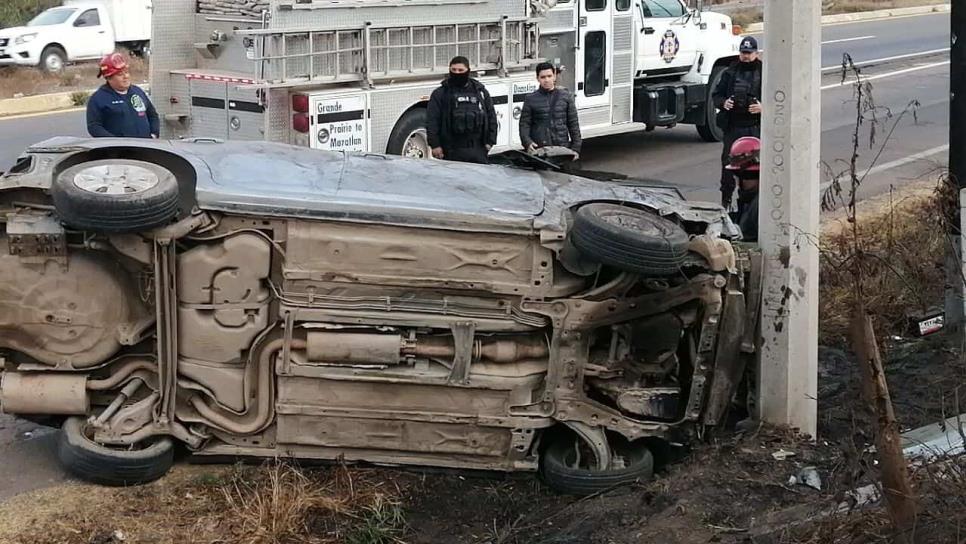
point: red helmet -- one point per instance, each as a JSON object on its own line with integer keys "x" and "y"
{"x": 744, "y": 155}
{"x": 113, "y": 64}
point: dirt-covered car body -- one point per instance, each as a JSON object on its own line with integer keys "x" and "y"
{"x": 260, "y": 299}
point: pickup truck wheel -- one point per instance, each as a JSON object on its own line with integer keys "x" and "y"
{"x": 99, "y": 464}
{"x": 53, "y": 59}
{"x": 710, "y": 131}
{"x": 408, "y": 138}
{"x": 630, "y": 239}
{"x": 116, "y": 195}
{"x": 568, "y": 468}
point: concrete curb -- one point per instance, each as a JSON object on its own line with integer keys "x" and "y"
{"x": 867, "y": 15}
{"x": 44, "y": 103}
{"x": 38, "y": 104}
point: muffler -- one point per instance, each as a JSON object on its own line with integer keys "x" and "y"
{"x": 44, "y": 393}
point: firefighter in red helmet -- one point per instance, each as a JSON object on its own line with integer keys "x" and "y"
{"x": 119, "y": 109}
{"x": 744, "y": 164}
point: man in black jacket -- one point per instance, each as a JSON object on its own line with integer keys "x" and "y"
{"x": 737, "y": 96}
{"x": 549, "y": 115}
{"x": 461, "y": 123}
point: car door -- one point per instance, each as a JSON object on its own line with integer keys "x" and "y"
{"x": 668, "y": 39}
{"x": 594, "y": 43}
{"x": 91, "y": 36}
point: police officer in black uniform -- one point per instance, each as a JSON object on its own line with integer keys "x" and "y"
{"x": 737, "y": 97}
{"x": 461, "y": 123}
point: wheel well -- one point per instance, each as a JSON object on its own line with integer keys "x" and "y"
{"x": 724, "y": 61}
{"x": 54, "y": 44}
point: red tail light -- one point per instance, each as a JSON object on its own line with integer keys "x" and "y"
{"x": 300, "y": 103}
{"x": 300, "y": 123}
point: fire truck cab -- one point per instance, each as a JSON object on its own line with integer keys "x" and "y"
{"x": 356, "y": 75}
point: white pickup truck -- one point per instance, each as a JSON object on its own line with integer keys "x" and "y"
{"x": 78, "y": 30}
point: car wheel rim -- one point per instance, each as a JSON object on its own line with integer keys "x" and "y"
{"x": 115, "y": 179}
{"x": 417, "y": 146}
{"x": 54, "y": 63}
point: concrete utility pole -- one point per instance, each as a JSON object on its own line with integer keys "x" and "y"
{"x": 957, "y": 161}
{"x": 789, "y": 213}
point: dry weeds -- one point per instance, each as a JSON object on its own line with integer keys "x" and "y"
{"x": 275, "y": 503}
{"x": 904, "y": 235}
{"x": 17, "y": 81}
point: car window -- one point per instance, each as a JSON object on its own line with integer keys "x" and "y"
{"x": 88, "y": 18}
{"x": 52, "y": 17}
{"x": 622, "y": 5}
{"x": 663, "y": 8}
{"x": 595, "y": 5}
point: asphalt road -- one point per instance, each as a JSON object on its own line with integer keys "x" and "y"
{"x": 676, "y": 155}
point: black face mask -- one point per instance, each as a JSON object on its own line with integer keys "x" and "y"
{"x": 747, "y": 66}
{"x": 458, "y": 80}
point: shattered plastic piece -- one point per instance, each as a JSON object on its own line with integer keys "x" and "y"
{"x": 808, "y": 476}
{"x": 781, "y": 454}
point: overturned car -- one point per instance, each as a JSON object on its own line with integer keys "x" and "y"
{"x": 257, "y": 299}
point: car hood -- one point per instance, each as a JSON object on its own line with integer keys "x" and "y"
{"x": 271, "y": 179}
{"x": 14, "y": 31}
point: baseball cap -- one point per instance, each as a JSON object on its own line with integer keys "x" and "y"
{"x": 748, "y": 45}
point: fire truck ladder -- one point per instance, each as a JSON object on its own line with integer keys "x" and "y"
{"x": 306, "y": 56}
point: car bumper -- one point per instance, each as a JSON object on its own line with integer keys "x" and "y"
{"x": 19, "y": 55}
{"x": 667, "y": 104}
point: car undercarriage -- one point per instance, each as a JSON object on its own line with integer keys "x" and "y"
{"x": 144, "y": 303}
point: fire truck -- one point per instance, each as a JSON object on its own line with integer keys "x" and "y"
{"x": 356, "y": 75}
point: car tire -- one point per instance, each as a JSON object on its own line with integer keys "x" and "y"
{"x": 710, "y": 131}
{"x": 412, "y": 125}
{"x": 630, "y": 239}
{"x": 558, "y": 472}
{"x": 95, "y": 463}
{"x": 53, "y": 59}
{"x": 116, "y": 196}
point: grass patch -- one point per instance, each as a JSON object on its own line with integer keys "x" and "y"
{"x": 275, "y": 503}
{"x": 79, "y": 98}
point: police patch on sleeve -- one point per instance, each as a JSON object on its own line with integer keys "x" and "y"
{"x": 669, "y": 46}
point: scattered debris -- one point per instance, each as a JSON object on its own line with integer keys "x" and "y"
{"x": 782, "y": 455}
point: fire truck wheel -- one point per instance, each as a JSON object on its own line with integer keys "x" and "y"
{"x": 710, "y": 131}
{"x": 115, "y": 195}
{"x": 408, "y": 138}
{"x": 630, "y": 239}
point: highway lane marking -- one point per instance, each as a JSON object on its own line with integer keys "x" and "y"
{"x": 843, "y": 40}
{"x": 897, "y": 163}
{"x": 887, "y": 74}
{"x": 888, "y": 59}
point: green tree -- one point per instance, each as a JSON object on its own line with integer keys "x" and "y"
{"x": 18, "y": 12}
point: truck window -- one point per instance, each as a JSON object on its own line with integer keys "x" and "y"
{"x": 88, "y": 18}
{"x": 595, "y": 5}
{"x": 52, "y": 17}
{"x": 663, "y": 8}
{"x": 595, "y": 62}
{"x": 622, "y": 5}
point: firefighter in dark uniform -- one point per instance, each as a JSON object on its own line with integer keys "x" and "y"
{"x": 737, "y": 97}
{"x": 744, "y": 166}
{"x": 461, "y": 122}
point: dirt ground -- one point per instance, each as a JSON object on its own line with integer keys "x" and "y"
{"x": 80, "y": 78}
